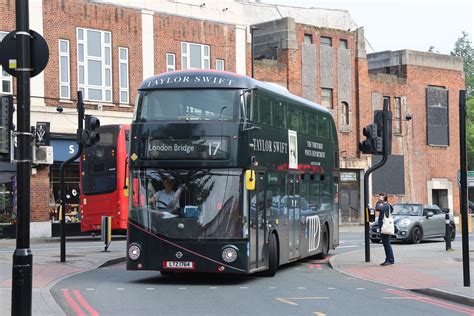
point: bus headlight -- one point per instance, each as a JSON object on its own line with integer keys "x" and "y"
{"x": 229, "y": 254}
{"x": 134, "y": 251}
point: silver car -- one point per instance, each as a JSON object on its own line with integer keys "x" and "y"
{"x": 416, "y": 222}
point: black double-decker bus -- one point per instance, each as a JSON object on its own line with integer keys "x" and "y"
{"x": 229, "y": 175}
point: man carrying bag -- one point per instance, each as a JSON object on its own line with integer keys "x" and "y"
{"x": 387, "y": 227}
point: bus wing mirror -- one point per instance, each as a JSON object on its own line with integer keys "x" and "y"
{"x": 250, "y": 180}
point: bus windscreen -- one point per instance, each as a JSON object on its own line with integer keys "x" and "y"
{"x": 189, "y": 203}
{"x": 190, "y": 104}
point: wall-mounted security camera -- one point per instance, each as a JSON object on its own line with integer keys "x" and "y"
{"x": 60, "y": 109}
{"x": 408, "y": 117}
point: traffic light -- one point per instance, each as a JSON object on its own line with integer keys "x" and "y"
{"x": 383, "y": 120}
{"x": 90, "y": 135}
{"x": 369, "y": 145}
{"x": 6, "y": 123}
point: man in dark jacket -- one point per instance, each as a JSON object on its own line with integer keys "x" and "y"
{"x": 384, "y": 209}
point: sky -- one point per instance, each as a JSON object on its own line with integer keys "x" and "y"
{"x": 404, "y": 24}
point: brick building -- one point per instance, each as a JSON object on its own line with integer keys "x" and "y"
{"x": 106, "y": 48}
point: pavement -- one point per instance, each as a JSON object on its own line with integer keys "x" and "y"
{"x": 426, "y": 268}
{"x": 82, "y": 254}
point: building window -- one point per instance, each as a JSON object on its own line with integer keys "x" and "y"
{"x": 308, "y": 39}
{"x": 94, "y": 64}
{"x": 397, "y": 116}
{"x": 64, "y": 73}
{"x": 194, "y": 56}
{"x": 326, "y": 98}
{"x": 170, "y": 62}
{"x": 343, "y": 44}
{"x": 123, "y": 75}
{"x": 345, "y": 113}
{"x": 220, "y": 64}
{"x": 5, "y": 79}
{"x": 326, "y": 41}
{"x": 386, "y": 100}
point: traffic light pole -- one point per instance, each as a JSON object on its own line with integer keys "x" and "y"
{"x": 22, "y": 273}
{"x": 62, "y": 172}
{"x": 386, "y": 139}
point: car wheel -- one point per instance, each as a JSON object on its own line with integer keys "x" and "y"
{"x": 453, "y": 232}
{"x": 375, "y": 241}
{"x": 416, "y": 235}
{"x": 324, "y": 244}
{"x": 272, "y": 257}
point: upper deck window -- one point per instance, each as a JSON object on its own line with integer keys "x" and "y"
{"x": 190, "y": 104}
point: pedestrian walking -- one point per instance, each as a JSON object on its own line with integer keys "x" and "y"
{"x": 384, "y": 208}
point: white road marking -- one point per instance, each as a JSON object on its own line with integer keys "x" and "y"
{"x": 271, "y": 287}
{"x": 296, "y": 268}
{"x": 360, "y": 288}
{"x": 150, "y": 288}
{"x": 301, "y": 288}
{"x": 288, "y": 300}
{"x": 243, "y": 287}
{"x": 120, "y": 289}
{"x": 181, "y": 288}
{"x": 213, "y": 288}
{"x": 89, "y": 289}
{"x": 331, "y": 288}
{"x": 354, "y": 246}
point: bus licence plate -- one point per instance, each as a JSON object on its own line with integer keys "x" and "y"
{"x": 178, "y": 264}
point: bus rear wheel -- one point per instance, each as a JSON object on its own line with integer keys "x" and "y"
{"x": 324, "y": 244}
{"x": 272, "y": 257}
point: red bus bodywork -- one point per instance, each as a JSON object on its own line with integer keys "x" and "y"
{"x": 114, "y": 202}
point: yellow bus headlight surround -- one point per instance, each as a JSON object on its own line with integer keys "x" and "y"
{"x": 134, "y": 251}
{"x": 229, "y": 254}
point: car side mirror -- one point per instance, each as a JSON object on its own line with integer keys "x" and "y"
{"x": 430, "y": 214}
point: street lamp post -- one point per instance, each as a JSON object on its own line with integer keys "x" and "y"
{"x": 252, "y": 29}
{"x": 22, "y": 257}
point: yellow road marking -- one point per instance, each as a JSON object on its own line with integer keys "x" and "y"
{"x": 319, "y": 314}
{"x": 288, "y": 300}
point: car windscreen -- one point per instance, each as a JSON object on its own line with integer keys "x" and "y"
{"x": 407, "y": 209}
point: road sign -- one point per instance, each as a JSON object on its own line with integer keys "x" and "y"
{"x": 39, "y": 53}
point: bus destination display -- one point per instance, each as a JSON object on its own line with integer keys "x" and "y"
{"x": 209, "y": 148}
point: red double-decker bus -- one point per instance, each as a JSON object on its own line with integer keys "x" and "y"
{"x": 104, "y": 179}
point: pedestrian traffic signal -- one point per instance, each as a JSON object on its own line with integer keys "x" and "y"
{"x": 6, "y": 124}
{"x": 90, "y": 135}
{"x": 369, "y": 145}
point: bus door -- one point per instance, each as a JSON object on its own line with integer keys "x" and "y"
{"x": 257, "y": 223}
{"x": 293, "y": 204}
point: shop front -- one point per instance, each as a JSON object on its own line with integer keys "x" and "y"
{"x": 8, "y": 201}
{"x": 63, "y": 150}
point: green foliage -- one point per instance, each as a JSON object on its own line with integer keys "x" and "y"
{"x": 470, "y": 133}
{"x": 463, "y": 48}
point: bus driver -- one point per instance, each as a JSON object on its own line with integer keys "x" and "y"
{"x": 167, "y": 198}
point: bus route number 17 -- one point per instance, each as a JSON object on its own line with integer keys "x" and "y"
{"x": 213, "y": 148}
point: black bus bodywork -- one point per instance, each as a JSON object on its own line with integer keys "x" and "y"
{"x": 197, "y": 139}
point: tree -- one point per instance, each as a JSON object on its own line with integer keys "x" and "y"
{"x": 470, "y": 133}
{"x": 463, "y": 48}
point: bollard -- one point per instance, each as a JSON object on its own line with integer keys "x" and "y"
{"x": 106, "y": 231}
{"x": 448, "y": 232}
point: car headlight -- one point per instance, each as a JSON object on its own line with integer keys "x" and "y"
{"x": 404, "y": 222}
{"x": 229, "y": 254}
{"x": 134, "y": 251}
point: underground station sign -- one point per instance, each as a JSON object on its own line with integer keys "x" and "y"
{"x": 39, "y": 53}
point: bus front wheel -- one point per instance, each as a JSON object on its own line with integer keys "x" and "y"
{"x": 272, "y": 257}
